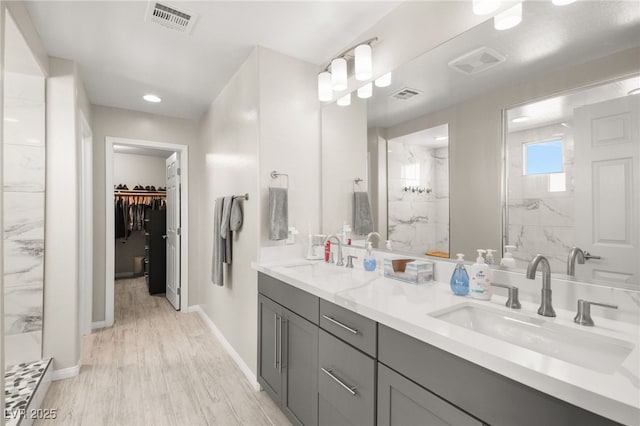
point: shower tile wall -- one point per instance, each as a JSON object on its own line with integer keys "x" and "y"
{"x": 418, "y": 222}
{"x": 24, "y": 191}
{"x": 540, "y": 220}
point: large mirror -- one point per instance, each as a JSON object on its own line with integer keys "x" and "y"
{"x": 467, "y": 84}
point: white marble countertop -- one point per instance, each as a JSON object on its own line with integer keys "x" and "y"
{"x": 406, "y": 308}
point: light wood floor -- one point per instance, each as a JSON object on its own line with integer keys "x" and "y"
{"x": 156, "y": 366}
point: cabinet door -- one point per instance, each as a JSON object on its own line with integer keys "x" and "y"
{"x": 402, "y": 402}
{"x": 300, "y": 366}
{"x": 269, "y": 347}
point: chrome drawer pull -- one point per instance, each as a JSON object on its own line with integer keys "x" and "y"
{"x": 338, "y": 323}
{"x": 350, "y": 389}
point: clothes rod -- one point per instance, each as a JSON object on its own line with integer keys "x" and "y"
{"x": 134, "y": 193}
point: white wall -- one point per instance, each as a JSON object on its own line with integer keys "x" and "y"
{"x": 344, "y": 158}
{"x": 266, "y": 118}
{"x": 116, "y": 122}
{"x": 132, "y": 170}
{"x": 2, "y": 16}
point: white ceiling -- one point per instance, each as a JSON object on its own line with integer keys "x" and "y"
{"x": 121, "y": 57}
{"x": 548, "y": 39}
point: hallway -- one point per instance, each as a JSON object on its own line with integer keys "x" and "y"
{"x": 156, "y": 366}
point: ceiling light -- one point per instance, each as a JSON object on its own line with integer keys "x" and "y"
{"x": 366, "y": 91}
{"x": 635, "y": 91}
{"x": 11, "y": 120}
{"x": 384, "y": 80}
{"x": 345, "y": 100}
{"x": 363, "y": 64}
{"x": 565, "y": 125}
{"x": 520, "y": 119}
{"x": 562, "y": 2}
{"x": 339, "y": 74}
{"x": 509, "y": 18}
{"x": 442, "y": 138}
{"x": 325, "y": 92}
{"x": 151, "y": 98}
{"x": 485, "y": 7}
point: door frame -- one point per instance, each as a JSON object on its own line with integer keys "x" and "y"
{"x": 109, "y": 228}
{"x": 85, "y": 273}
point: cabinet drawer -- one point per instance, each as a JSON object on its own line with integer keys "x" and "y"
{"x": 302, "y": 303}
{"x": 353, "y": 328}
{"x": 346, "y": 382}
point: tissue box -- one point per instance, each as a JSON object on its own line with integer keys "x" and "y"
{"x": 416, "y": 272}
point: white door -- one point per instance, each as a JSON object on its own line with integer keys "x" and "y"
{"x": 173, "y": 230}
{"x": 607, "y": 188}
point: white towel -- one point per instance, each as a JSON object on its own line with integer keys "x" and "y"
{"x": 217, "y": 276}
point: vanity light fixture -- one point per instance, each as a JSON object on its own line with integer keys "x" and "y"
{"x": 366, "y": 91}
{"x": 485, "y": 7}
{"x": 151, "y": 98}
{"x": 509, "y": 18}
{"x": 635, "y": 91}
{"x": 384, "y": 80}
{"x": 335, "y": 74}
{"x": 325, "y": 91}
{"x": 562, "y": 2}
{"x": 520, "y": 119}
{"x": 345, "y": 100}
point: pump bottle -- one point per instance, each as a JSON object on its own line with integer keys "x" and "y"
{"x": 480, "y": 284}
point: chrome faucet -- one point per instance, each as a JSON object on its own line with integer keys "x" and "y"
{"x": 574, "y": 254}
{"x": 373, "y": 234}
{"x": 334, "y": 236}
{"x": 545, "y": 309}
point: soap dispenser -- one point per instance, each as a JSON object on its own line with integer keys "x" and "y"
{"x": 480, "y": 285}
{"x": 508, "y": 260}
{"x": 369, "y": 259}
{"x": 489, "y": 257}
{"x": 460, "y": 278}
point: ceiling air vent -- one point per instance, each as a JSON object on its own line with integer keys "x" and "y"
{"x": 477, "y": 61}
{"x": 406, "y": 93}
{"x": 170, "y": 17}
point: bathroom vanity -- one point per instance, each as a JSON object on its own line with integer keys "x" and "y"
{"x": 345, "y": 346}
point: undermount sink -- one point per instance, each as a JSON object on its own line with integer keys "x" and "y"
{"x": 334, "y": 277}
{"x": 596, "y": 352}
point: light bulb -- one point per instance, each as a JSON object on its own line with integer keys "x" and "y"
{"x": 345, "y": 100}
{"x": 363, "y": 65}
{"x": 152, "y": 98}
{"x": 365, "y": 91}
{"x": 325, "y": 92}
{"x": 509, "y": 18}
{"x": 339, "y": 74}
{"x": 384, "y": 80}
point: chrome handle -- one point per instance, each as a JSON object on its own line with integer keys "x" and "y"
{"x": 164, "y": 237}
{"x": 512, "y": 301}
{"x": 280, "y": 346}
{"x": 339, "y": 324}
{"x": 350, "y": 389}
{"x": 275, "y": 341}
{"x": 588, "y": 256}
{"x": 350, "y": 260}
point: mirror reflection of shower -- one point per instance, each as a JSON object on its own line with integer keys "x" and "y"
{"x": 418, "y": 191}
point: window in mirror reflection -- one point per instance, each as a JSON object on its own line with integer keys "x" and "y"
{"x": 418, "y": 192}
{"x": 575, "y": 184}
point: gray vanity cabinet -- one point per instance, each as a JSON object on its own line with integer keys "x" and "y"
{"x": 402, "y": 402}
{"x": 288, "y": 360}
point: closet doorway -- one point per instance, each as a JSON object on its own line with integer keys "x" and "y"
{"x": 176, "y": 229}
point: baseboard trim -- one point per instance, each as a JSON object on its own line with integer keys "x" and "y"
{"x": 65, "y": 373}
{"x": 98, "y": 324}
{"x": 253, "y": 381}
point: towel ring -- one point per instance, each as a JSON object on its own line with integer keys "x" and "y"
{"x": 356, "y": 182}
{"x": 275, "y": 175}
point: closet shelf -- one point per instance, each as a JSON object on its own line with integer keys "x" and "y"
{"x": 141, "y": 193}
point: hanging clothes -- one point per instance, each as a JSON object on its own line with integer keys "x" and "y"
{"x": 130, "y": 212}
{"x": 119, "y": 218}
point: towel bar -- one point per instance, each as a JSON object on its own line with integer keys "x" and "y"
{"x": 356, "y": 182}
{"x": 275, "y": 175}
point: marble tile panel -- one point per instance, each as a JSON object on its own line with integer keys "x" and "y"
{"x": 26, "y": 170}
{"x": 23, "y": 263}
{"x": 543, "y": 212}
{"x": 553, "y": 242}
{"x": 23, "y": 309}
